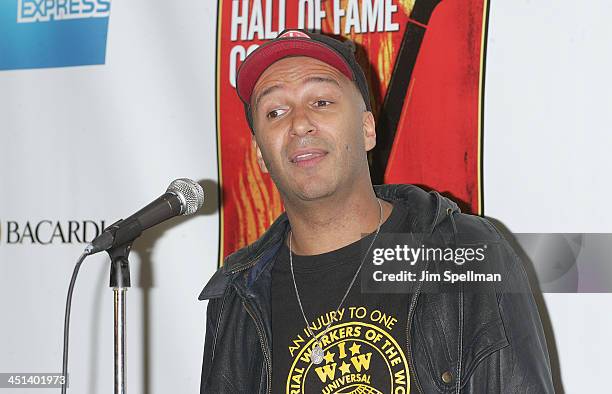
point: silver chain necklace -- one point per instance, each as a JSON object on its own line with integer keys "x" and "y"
{"x": 317, "y": 354}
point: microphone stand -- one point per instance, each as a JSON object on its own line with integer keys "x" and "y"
{"x": 183, "y": 197}
{"x": 120, "y": 282}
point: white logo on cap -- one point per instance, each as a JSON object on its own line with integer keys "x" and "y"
{"x": 294, "y": 33}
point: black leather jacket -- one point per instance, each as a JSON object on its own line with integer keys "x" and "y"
{"x": 458, "y": 342}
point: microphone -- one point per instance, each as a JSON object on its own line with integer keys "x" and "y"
{"x": 183, "y": 197}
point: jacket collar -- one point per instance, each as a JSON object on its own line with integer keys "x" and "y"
{"x": 427, "y": 210}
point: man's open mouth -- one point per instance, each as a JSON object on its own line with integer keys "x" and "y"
{"x": 307, "y": 157}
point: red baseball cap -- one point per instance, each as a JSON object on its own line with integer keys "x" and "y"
{"x": 337, "y": 54}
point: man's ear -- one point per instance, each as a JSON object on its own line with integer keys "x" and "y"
{"x": 369, "y": 130}
{"x": 260, "y": 160}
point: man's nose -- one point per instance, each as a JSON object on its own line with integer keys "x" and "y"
{"x": 301, "y": 123}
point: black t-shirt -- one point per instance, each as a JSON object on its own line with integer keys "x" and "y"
{"x": 365, "y": 346}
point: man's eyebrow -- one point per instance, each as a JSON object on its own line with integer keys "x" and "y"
{"x": 316, "y": 79}
{"x": 322, "y": 79}
{"x": 264, "y": 93}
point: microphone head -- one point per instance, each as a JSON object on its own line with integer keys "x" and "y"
{"x": 190, "y": 193}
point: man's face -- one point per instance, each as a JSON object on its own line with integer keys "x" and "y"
{"x": 312, "y": 130}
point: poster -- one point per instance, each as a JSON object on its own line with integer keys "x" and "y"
{"x": 424, "y": 62}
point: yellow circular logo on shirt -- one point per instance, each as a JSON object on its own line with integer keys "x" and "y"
{"x": 352, "y": 350}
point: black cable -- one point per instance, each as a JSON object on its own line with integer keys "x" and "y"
{"x": 67, "y": 319}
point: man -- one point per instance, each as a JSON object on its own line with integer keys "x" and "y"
{"x": 289, "y": 313}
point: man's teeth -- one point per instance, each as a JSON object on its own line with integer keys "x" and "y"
{"x": 303, "y": 157}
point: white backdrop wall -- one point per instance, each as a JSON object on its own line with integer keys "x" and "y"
{"x": 98, "y": 142}
{"x": 546, "y": 153}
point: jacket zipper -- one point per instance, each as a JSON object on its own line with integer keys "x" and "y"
{"x": 408, "y": 347}
{"x": 217, "y": 328}
{"x": 408, "y": 324}
{"x": 245, "y": 265}
{"x": 410, "y": 360}
{"x": 248, "y": 264}
{"x": 264, "y": 347}
{"x": 262, "y": 340}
